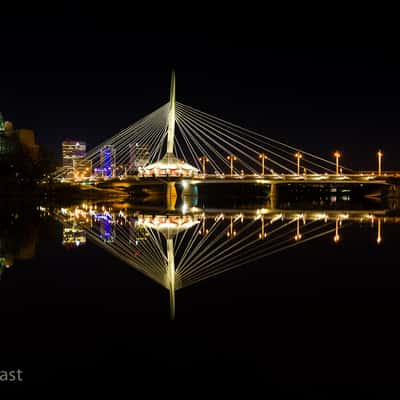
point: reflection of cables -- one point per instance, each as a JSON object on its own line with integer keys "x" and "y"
{"x": 253, "y": 255}
{"x": 198, "y": 255}
{"x": 256, "y": 257}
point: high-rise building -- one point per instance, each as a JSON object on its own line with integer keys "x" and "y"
{"x": 107, "y": 161}
{"x": 26, "y": 138}
{"x": 72, "y": 150}
{"x": 8, "y": 126}
{"x": 139, "y": 156}
{"x": 15, "y": 142}
{"x": 2, "y": 124}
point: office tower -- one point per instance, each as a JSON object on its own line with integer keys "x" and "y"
{"x": 72, "y": 150}
{"x": 139, "y": 156}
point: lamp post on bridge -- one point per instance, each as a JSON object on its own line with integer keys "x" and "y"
{"x": 380, "y": 155}
{"x": 337, "y": 155}
{"x": 204, "y": 160}
{"x": 232, "y": 158}
{"x": 263, "y": 158}
{"x": 299, "y": 156}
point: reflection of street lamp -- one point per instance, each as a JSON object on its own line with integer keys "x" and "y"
{"x": 231, "y": 158}
{"x": 262, "y": 235}
{"x": 379, "y": 236}
{"x": 336, "y": 237}
{"x": 299, "y": 156}
{"x": 380, "y": 155}
{"x": 298, "y": 234}
{"x": 231, "y": 231}
{"x": 204, "y": 160}
{"x": 337, "y": 156}
{"x": 263, "y": 158}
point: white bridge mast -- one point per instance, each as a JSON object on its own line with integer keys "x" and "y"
{"x": 171, "y": 117}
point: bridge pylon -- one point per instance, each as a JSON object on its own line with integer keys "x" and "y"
{"x": 169, "y": 164}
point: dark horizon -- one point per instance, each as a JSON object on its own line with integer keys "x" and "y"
{"x": 74, "y": 73}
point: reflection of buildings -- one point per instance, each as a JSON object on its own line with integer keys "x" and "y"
{"x": 73, "y": 236}
{"x": 18, "y": 238}
{"x": 107, "y": 228}
{"x": 74, "y": 233}
{"x": 137, "y": 232}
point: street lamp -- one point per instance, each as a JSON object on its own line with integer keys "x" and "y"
{"x": 263, "y": 158}
{"x": 380, "y": 155}
{"x": 337, "y": 155}
{"x": 204, "y": 160}
{"x": 299, "y": 156}
{"x": 232, "y": 158}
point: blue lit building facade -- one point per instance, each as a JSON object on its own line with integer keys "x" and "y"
{"x": 107, "y": 161}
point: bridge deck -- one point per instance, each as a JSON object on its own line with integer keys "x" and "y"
{"x": 266, "y": 179}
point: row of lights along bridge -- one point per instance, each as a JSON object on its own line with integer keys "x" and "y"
{"x": 262, "y": 156}
{"x": 232, "y": 158}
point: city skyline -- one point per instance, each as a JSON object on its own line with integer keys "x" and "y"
{"x": 95, "y": 79}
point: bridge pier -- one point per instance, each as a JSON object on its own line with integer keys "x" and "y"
{"x": 273, "y": 196}
{"x": 170, "y": 196}
{"x": 189, "y": 193}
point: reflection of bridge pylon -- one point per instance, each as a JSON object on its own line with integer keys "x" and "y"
{"x": 169, "y": 229}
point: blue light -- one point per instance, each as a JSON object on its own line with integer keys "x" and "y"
{"x": 107, "y": 161}
{"x": 103, "y": 216}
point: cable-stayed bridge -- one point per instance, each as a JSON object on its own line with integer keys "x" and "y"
{"x": 177, "y": 142}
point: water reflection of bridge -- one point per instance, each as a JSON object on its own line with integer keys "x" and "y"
{"x": 180, "y": 248}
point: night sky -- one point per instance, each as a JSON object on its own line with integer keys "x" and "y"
{"x": 86, "y": 72}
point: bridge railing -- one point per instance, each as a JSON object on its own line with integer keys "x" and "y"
{"x": 383, "y": 173}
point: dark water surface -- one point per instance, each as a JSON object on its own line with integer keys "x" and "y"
{"x": 317, "y": 319}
